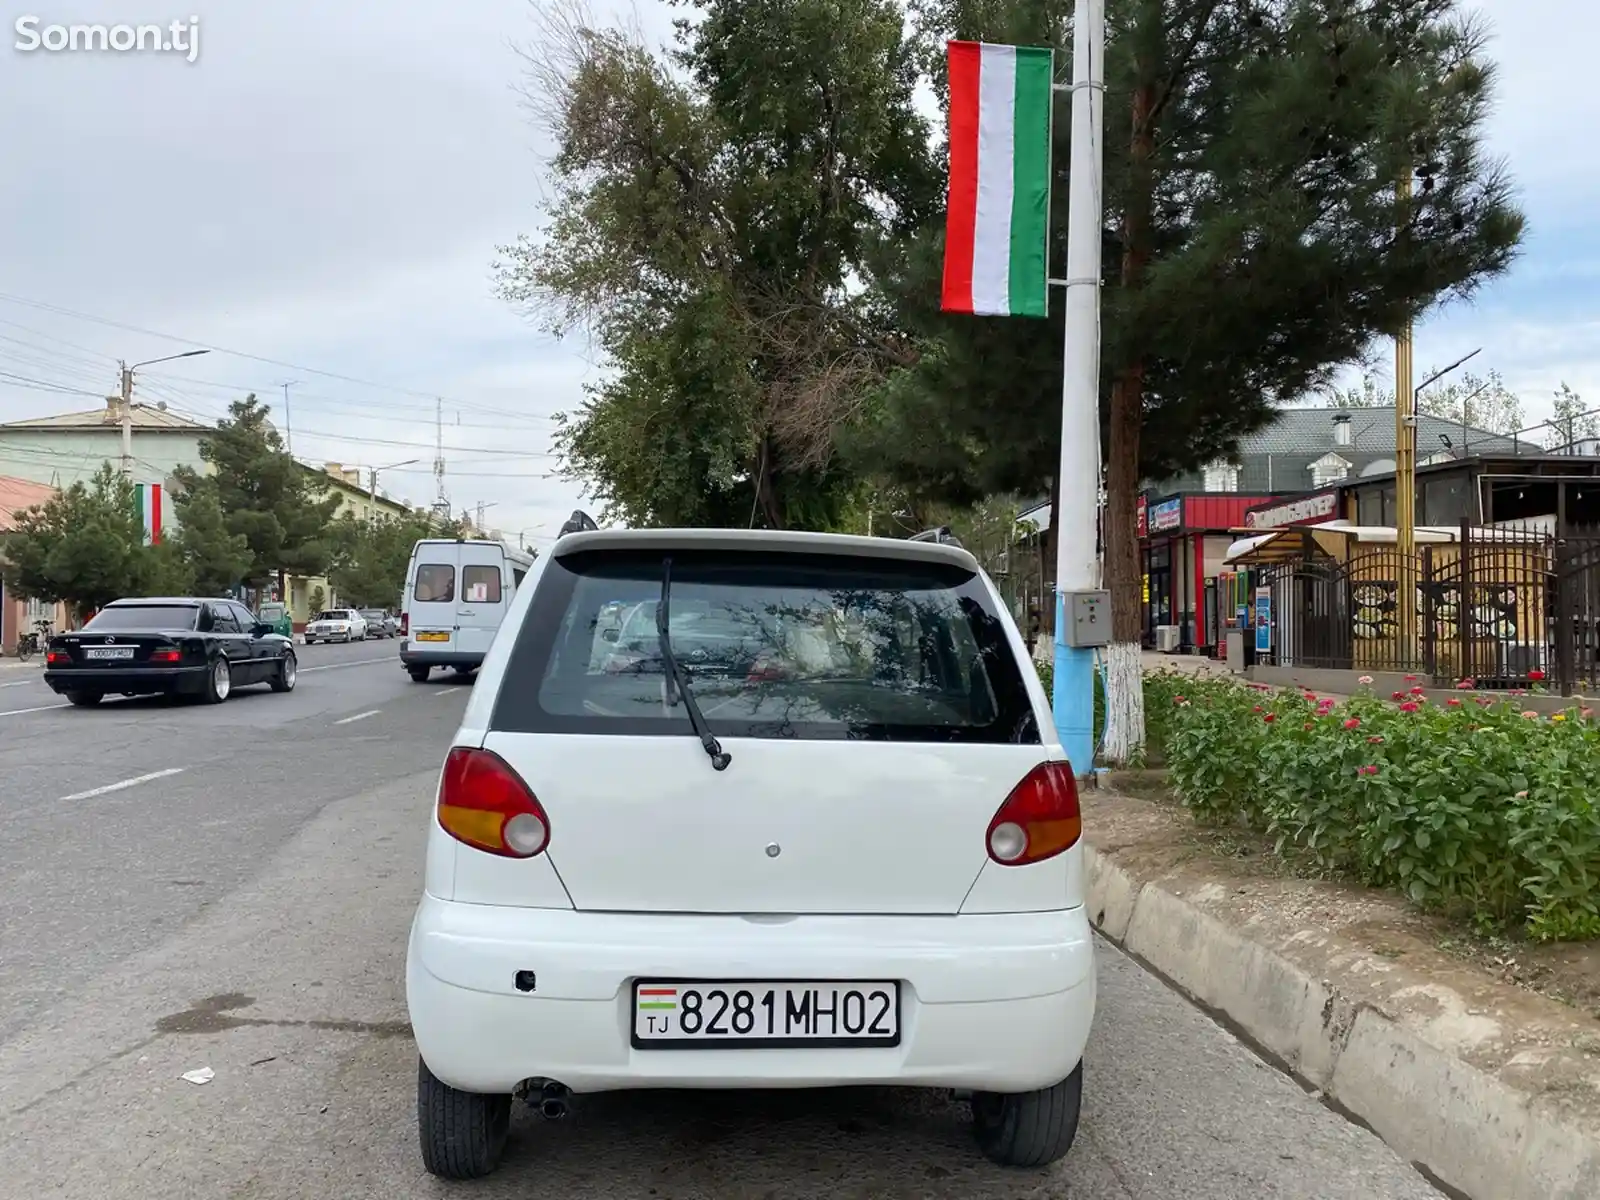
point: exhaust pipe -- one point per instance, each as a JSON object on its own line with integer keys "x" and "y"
{"x": 554, "y": 1101}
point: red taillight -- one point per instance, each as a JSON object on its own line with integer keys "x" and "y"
{"x": 57, "y": 658}
{"x": 165, "y": 656}
{"x": 1039, "y": 819}
{"x": 485, "y": 804}
{"x": 405, "y": 622}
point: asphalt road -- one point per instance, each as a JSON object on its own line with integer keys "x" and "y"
{"x": 247, "y": 912}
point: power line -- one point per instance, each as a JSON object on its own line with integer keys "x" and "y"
{"x": 275, "y": 362}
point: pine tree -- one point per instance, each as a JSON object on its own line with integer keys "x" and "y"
{"x": 1256, "y": 241}
{"x": 216, "y": 559}
{"x": 264, "y": 496}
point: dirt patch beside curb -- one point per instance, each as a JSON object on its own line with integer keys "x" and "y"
{"x": 1448, "y": 1054}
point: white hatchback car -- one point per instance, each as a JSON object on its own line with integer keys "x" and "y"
{"x": 821, "y": 833}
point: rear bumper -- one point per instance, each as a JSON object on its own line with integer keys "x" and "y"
{"x": 412, "y": 655}
{"x": 991, "y": 1003}
{"x": 148, "y": 681}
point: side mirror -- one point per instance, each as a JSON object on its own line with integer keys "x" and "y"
{"x": 261, "y": 629}
{"x": 611, "y": 635}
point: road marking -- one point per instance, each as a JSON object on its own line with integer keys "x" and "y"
{"x": 126, "y": 783}
{"x": 359, "y": 716}
{"x": 365, "y": 662}
{"x": 18, "y": 683}
{"x": 19, "y": 712}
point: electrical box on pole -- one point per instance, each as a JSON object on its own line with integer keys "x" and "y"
{"x": 1088, "y": 624}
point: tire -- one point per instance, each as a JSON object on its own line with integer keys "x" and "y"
{"x": 85, "y": 699}
{"x": 311, "y": 641}
{"x": 418, "y": 674}
{"x": 287, "y": 674}
{"x": 219, "y": 682}
{"x": 463, "y": 1134}
{"x": 1029, "y": 1129}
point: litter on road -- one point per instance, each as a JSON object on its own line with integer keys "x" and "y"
{"x": 199, "y": 1075}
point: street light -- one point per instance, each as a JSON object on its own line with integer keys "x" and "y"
{"x": 125, "y": 380}
{"x": 372, "y": 475}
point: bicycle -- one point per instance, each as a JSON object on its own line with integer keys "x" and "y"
{"x": 32, "y": 642}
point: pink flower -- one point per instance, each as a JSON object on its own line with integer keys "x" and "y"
{"x": 1365, "y": 679}
{"x": 1257, "y": 708}
{"x": 1484, "y": 702}
{"x": 1309, "y": 726}
{"x": 1530, "y": 715}
{"x": 1586, "y": 712}
{"x": 1398, "y": 696}
{"x": 1411, "y": 678}
{"x": 1179, "y": 700}
{"x": 1353, "y": 723}
{"x": 1410, "y": 706}
{"x": 1522, "y": 795}
{"x": 1536, "y": 676}
{"x": 1466, "y": 685}
{"x": 1376, "y": 739}
{"x": 1453, "y": 702}
{"x": 1270, "y": 718}
{"x": 1367, "y": 770}
{"x": 1416, "y": 691}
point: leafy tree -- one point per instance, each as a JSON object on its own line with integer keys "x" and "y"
{"x": 715, "y": 210}
{"x": 85, "y": 548}
{"x": 1572, "y": 422}
{"x": 1256, "y": 240}
{"x": 264, "y": 495}
{"x": 368, "y": 567}
{"x": 217, "y": 560}
{"x": 1479, "y": 401}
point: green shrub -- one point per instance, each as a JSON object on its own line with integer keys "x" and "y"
{"x": 1472, "y": 806}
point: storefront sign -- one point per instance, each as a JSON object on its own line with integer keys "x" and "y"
{"x": 1312, "y": 510}
{"x": 1143, "y": 529}
{"x": 1263, "y": 620}
{"x": 1166, "y": 515}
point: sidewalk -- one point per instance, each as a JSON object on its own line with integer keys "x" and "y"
{"x": 1480, "y": 1062}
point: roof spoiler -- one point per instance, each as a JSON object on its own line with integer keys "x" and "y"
{"x": 940, "y": 534}
{"x": 578, "y": 522}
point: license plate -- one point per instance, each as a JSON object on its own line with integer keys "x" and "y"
{"x": 102, "y": 652}
{"x": 433, "y": 637}
{"x": 723, "y": 1013}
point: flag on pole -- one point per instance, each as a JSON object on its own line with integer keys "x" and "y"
{"x": 150, "y": 511}
{"x": 997, "y": 222}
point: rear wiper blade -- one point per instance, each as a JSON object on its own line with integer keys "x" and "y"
{"x": 678, "y": 678}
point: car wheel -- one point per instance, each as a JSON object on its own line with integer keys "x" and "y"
{"x": 219, "y": 682}
{"x": 85, "y": 699}
{"x": 286, "y": 675}
{"x": 418, "y": 674}
{"x": 463, "y": 1134}
{"x": 1029, "y": 1129}
{"x": 311, "y": 641}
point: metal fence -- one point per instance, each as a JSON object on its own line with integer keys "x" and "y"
{"x": 1505, "y": 607}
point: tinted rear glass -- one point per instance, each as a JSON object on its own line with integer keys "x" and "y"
{"x": 436, "y": 583}
{"x": 143, "y": 616}
{"x": 775, "y": 645}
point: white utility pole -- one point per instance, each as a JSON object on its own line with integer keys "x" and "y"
{"x": 125, "y": 415}
{"x": 288, "y": 419}
{"x": 1078, "y": 484}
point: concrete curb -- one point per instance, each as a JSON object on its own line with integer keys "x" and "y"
{"x": 1467, "y": 1129}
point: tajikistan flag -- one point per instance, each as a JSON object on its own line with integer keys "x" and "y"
{"x": 150, "y": 510}
{"x": 999, "y": 210}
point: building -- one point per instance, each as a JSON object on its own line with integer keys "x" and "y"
{"x": 362, "y": 503}
{"x": 70, "y": 447}
{"x": 17, "y": 614}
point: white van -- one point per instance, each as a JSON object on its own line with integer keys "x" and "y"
{"x": 457, "y": 593}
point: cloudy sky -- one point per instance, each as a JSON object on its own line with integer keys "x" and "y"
{"x": 324, "y": 188}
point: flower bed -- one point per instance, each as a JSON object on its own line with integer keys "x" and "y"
{"x": 1473, "y": 806}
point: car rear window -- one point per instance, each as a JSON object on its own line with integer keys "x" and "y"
{"x": 143, "y": 616}
{"x": 480, "y": 584}
{"x": 435, "y": 583}
{"x": 802, "y": 646}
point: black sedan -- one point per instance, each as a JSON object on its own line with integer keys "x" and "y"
{"x": 184, "y": 646}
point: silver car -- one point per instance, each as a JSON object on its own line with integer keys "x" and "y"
{"x": 381, "y": 623}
